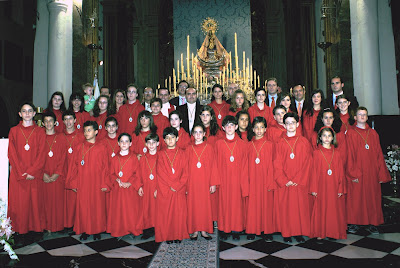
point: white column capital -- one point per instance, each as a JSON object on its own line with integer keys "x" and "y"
{"x": 57, "y": 5}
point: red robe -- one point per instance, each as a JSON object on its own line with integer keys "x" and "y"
{"x": 368, "y": 166}
{"x": 198, "y": 189}
{"x": 183, "y": 141}
{"x": 211, "y": 139}
{"x": 127, "y": 111}
{"x": 328, "y": 218}
{"x": 234, "y": 113}
{"x": 24, "y": 202}
{"x": 340, "y": 139}
{"x": 234, "y": 184}
{"x": 59, "y": 124}
{"x": 254, "y": 111}
{"x": 220, "y": 110}
{"x": 81, "y": 118}
{"x": 260, "y": 208}
{"x": 171, "y": 219}
{"x": 72, "y": 140}
{"x": 147, "y": 162}
{"x": 53, "y": 192}
{"x": 274, "y": 132}
{"x": 88, "y": 179}
{"x": 309, "y": 124}
{"x": 101, "y": 121}
{"x": 345, "y": 122}
{"x": 161, "y": 122}
{"x": 139, "y": 142}
{"x": 244, "y": 136}
{"x": 292, "y": 208}
{"x": 125, "y": 213}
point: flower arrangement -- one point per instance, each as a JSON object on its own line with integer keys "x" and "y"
{"x": 393, "y": 159}
{"x": 6, "y": 231}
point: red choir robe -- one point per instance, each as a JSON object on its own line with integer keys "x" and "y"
{"x": 72, "y": 142}
{"x": 234, "y": 183}
{"x": 308, "y": 122}
{"x": 363, "y": 202}
{"x": 340, "y": 139}
{"x": 244, "y": 136}
{"x": 328, "y": 217}
{"x": 345, "y": 122}
{"x": 183, "y": 142}
{"x": 234, "y": 113}
{"x": 201, "y": 178}
{"x": 125, "y": 213}
{"x": 274, "y": 132}
{"x": 24, "y": 202}
{"x": 260, "y": 208}
{"x": 211, "y": 139}
{"x": 148, "y": 167}
{"x": 220, "y": 110}
{"x": 59, "y": 124}
{"x": 101, "y": 120}
{"x": 139, "y": 142}
{"x": 81, "y": 118}
{"x": 292, "y": 210}
{"x": 88, "y": 179}
{"x": 266, "y": 112}
{"x": 126, "y": 112}
{"x": 161, "y": 122}
{"x": 53, "y": 192}
{"x": 171, "y": 219}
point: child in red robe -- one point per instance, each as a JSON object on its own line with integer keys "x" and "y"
{"x": 53, "y": 182}
{"x": 244, "y": 125}
{"x": 87, "y": 176}
{"x": 57, "y": 106}
{"x": 327, "y": 185}
{"x": 292, "y": 170}
{"x": 148, "y": 171}
{"x": 310, "y": 115}
{"x": 260, "y": 108}
{"x": 343, "y": 103}
{"x": 175, "y": 119}
{"x": 218, "y": 104}
{"x": 213, "y": 131}
{"x": 27, "y": 153}
{"x": 239, "y": 103}
{"x": 73, "y": 139}
{"x": 260, "y": 208}
{"x": 102, "y": 109}
{"x": 145, "y": 126}
{"x": 160, "y": 120}
{"x": 171, "y": 219}
{"x": 128, "y": 113}
{"x": 77, "y": 105}
{"x": 366, "y": 170}
{"x": 125, "y": 213}
{"x": 232, "y": 162}
{"x": 275, "y": 130}
{"x": 201, "y": 184}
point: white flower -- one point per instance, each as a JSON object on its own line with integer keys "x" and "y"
{"x": 395, "y": 168}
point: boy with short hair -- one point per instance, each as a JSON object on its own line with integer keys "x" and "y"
{"x": 292, "y": 170}
{"x": 87, "y": 175}
{"x": 88, "y": 97}
{"x": 148, "y": 170}
{"x": 232, "y": 163}
{"x": 26, "y": 154}
{"x": 171, "y": 191}
{"x": 159, "y": 119}
{"x": 275, "y": 130}
{"x": 366, "y": 170}
{"x": 128, "y": 113}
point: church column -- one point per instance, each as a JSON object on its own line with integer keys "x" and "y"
{"x": 365, "y": 52}
{"x": 57, "y": 58}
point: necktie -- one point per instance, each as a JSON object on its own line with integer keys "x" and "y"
{"x": 299, "y": 109}
{"x": 273, "y": 103}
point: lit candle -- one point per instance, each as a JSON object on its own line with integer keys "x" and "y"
{"x": 258, "y": 80}
{"x": 244, "y": 63}
{"x": 236, "y": 59}
{"x": 169, "y": 84}
{"x": 230, "y": 65}
{"x": 177, "y": 63}
{"x": 174, "y": 80}
{"x": 183, "y": 69}
{"x": 166, "y": 83}
{"x": 188, "y": 57}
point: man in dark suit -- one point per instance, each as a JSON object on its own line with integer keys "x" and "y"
{"x": 337, "y": 85}
{"x": 272, "y": 89}
{"x": 191, "y": 110}
{"x": 298, "y": 92}
{"x": 181, "y": 99}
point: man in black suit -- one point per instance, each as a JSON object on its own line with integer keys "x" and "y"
{"x": 181, "y": 99}
{"x": 191, "y": 110}
{"x": 337, "y": 85}
{"x": 298, "y": 92}
{"x": 272, "y": 89}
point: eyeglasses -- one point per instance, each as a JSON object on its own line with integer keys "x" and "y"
{"x": 131, "y": 92}
{"x": 148, "y": 93}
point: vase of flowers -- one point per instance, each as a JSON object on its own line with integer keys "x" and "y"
{"x": 6, "y": 231}
{"x": 393, "y": 164}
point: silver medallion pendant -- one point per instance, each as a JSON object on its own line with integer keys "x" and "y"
{"x": 26, "y": 147}
{"x": 151, "y": 177}
{"x": 57, "y": 124}
{"x": 144, "y": 150}
{"x": 173, "y": 171}
{"x": 100, "y": 127}
{"x": 292, "y": 156}
{"x": 367, "y": 146}
{"x": 120, "y": 174}
{"x": 78, "y": 126}
{"x": 231, "y": 158}
{"x": 329, "y": 172}
{"x": 113, "y": 154}
{"x": 198, "y": 165}
{"x": 70, "y": 150}
{"x": 219, "y": 116}
{"x": 82, "y": 162}
{"x": 50, "y": 154}
{"x": 257, "y": 160}
{"x": 130, "y": 119}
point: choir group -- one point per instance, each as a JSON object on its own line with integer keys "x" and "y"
{"x": 174, "y": 168}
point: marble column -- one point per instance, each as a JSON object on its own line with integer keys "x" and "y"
{"x": 56, "y": 58}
